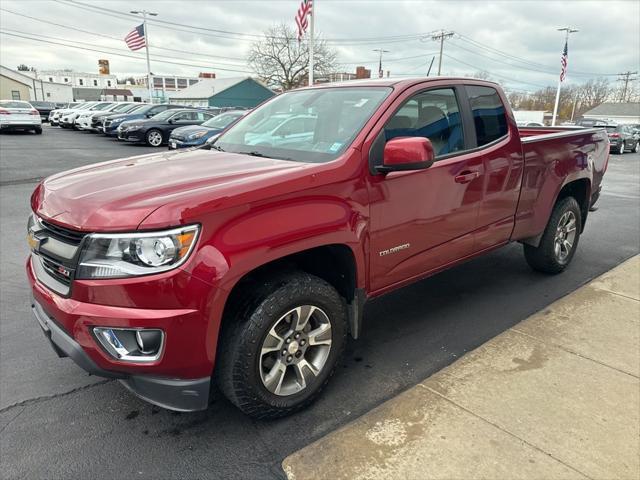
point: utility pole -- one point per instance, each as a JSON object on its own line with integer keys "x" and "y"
{"x": 441, "y": 36}
{"x": 430, "y": 65}
{"x": 144, "y": 14}
{"x": 626, "y": 79}
{"x": 567, "y": 30}
{"x": 380, "y": 71}
{"x": 575, "y": 102}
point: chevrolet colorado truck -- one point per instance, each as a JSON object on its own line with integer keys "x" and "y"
{"x": 247, "y": 266}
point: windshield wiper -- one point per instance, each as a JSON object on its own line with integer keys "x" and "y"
{"x": 255, "y": 154}
{"x": 217, "y": 147}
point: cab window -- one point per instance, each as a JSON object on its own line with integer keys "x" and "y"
{"x": 433, "y": 114}
{"x": 489, "y": 115}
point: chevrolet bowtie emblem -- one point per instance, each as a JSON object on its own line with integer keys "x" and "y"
{"x": 33, "y": 241}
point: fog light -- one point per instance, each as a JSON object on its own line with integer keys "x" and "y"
{"x": 131, "y": 345}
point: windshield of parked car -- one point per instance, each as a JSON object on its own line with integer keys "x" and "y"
{"x": 124, "y": 107}
{"x": 312, "y": 125}
{"x": 221, "y": 121}
{"x": 162, "y": 116}
{"x": 611, "y": 128}
{"x": 101, "y": 106}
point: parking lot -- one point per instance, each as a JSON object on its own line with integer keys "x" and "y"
{"x": 58, "y": 422}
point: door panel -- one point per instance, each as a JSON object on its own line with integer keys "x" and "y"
{"x": 422, "y": 220}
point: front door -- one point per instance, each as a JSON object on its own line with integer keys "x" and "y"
{"x": 423, "y": 220}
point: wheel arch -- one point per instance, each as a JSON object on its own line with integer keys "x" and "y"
{"x": 334, "y": 263}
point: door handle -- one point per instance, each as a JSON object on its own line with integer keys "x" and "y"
{"x": 466, "y": 177}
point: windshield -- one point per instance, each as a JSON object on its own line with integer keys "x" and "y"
{"x": 166, "y": 114}
{"x": 611, "y": 128}
{"x": 314, "y": 125}
{"x": 123, "y": 107}
{"x": 221, "y": 121}
{"x": 101, "y": 106}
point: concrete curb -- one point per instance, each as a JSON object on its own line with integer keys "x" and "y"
{"x": 556, "y": 396}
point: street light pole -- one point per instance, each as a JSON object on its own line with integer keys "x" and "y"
{"x": 144, "y": 14}
{"x": 567, "y": 31}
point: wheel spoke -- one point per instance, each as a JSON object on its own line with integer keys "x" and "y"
{"x": 303, "y": 314}
{"x": 567, "y": 245}
{"x": 273, "y": 342}
{"x": 303, "y": 371}
{"x": 321, "y": 335}
{"x": 273, "y": 380}
{"x": 557, "y": 248}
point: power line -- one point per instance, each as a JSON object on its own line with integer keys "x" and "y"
{"x": 241, "y": 36}
{"x": 69, "y": 27}
{"x": 155, "y": 55}
{"x": 117, "y": 54}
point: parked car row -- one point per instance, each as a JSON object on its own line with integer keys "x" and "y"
{"x": 153, "y": 124}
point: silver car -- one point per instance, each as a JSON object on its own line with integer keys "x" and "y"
{"x": 19, "y": 115}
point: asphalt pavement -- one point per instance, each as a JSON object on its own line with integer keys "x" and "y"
{"x": 58, "y": 422}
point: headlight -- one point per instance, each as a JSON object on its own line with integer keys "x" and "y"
{"x": 198, "y": 134}
{"x": 116, "y": 120}
{"x": 133, "y": 254}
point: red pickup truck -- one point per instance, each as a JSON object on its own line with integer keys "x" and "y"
{"x": 248, "y": 265}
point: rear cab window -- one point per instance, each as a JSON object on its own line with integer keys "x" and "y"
{"x": 489, "y": 114}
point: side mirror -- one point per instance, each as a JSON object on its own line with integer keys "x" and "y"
{"x": 171, "y": 121}
{"x": 406, "y": 153}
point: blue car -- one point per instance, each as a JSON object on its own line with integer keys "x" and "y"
{"x": 197, "y": 135}
{"x": 111, "y": 123}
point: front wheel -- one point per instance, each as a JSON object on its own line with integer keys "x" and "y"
{"x": 154, "y": 138}
{"x": 636, "y": 149}
{"x": 621, "y": 148}
{"x": 38, "y": 130}
{"x": 279, "y": 350}
{"x": 559, "y": 240}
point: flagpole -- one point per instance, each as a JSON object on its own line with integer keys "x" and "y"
{"x": 567, "y": 31}
{"x": 146, "y": 47}
{"x": 311, "y": 42}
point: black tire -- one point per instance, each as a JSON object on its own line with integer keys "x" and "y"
{"x": 621, "y": 149}
{"x": 38, "y": 130}
{"x": 246, "y": 327}
{"x": 636, "y": 149}
{"x": 544, "y": 258}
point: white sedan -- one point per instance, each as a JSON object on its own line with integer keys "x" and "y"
{"x": 19, "y": 115}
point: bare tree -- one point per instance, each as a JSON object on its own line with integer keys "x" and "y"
{"x": 281, "y": 61}
{"x": 593, "y": 93}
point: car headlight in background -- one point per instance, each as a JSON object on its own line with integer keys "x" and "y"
{"x": 122, "y": 255}
{"x": 197, "y": 134}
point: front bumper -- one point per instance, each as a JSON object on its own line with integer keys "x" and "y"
{"x": 178, "y": 380}
{"x": 175, "y": 144}
{"x": 173, "y": 394}
{"x": 131, "y": 135}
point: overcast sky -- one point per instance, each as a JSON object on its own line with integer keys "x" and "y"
{"x": 515, "y": 42}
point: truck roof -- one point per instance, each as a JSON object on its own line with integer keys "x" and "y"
{"x": 398, "y": 82}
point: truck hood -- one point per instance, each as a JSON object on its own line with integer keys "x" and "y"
{"x": 118, "y": 195}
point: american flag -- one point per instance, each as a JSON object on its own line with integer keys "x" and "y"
{"x": 564, "y": 61}
{"x": 302, "y": 17}
{"x": 135, "y": 39}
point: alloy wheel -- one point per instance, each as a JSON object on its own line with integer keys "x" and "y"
{"x": 621, "y": 150}
{"x": 295, "y": 350}
{"x": 154, "y": 138}
{"x": 565, "y": 236}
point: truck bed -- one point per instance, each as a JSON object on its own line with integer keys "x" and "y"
{"x": 554, "y": 157}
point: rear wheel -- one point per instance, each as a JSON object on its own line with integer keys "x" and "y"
{"x": 560, "y": 239}
{"x": 154, "y": 138}
{"x": 636, "y": 149}
{"x": 621, "y": 148}
{"x": 280, "y": 348}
